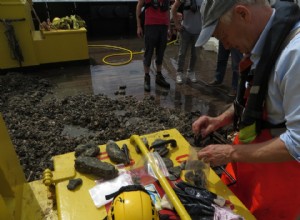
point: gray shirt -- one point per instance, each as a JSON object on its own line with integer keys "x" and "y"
{"x": 192, "y": 20}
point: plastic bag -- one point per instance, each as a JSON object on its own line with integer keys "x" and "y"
{"x": 226, "y": 214}
{"x": 144, "y": 172}
{"x": 196, "y": 171}
{"x": 104, "y": 188}
{"x": 155, "y": 197}
{"x": 160, "y": 165}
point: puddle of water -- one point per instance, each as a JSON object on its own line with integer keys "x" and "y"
{"x": 75, "y": 131}
{"x": 106, "y": 79}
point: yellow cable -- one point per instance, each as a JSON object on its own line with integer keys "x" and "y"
{"x": 128, "y": 52}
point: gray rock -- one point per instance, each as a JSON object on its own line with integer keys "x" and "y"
{"x": 88, "y": 150}
{"x": 115, "y": 153}
{"x": 92, "y": 165}
{"x": 74, "y": 183}
{"x": 168, "y": 162}
{"x": 175, "y": 171}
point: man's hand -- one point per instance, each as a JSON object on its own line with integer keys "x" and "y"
{"x": 179, "y": 27}
{"x": 204, "y": 125}
{"x": 139, "y": 32}
{"x": 216, "y": 154}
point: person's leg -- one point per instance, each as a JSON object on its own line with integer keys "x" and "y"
{"x": 223, "y": 56}
{"x": 150, "y": 42}
{"x": 236, "y": 57}
{"x": 184, "y": 43}
{"x": 222, "y": 59}
{"x": 191, "y": 70}
{"x": 182, "y": 50}
{"x": 149, "y": 50}
{"x": 161, "y": 45}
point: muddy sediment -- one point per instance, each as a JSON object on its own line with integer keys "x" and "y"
{"x": 42, "y": 127}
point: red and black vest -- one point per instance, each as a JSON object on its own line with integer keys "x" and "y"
{"x": 156, "y": 12}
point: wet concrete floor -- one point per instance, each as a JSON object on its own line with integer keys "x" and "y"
{"x": 107, "y": 78}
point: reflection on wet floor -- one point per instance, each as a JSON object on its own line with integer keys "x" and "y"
{"x": 106, "y": 79}
{"x": 75, "y": 131}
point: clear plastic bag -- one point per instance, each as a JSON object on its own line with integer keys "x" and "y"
{"x": 196, "y": 171}
{"x": 103, "y": 188}
{"x": 159, "y": 163}
{"x": 144, "y": 171}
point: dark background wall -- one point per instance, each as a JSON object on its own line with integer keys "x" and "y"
{"x": 103, "y": 20}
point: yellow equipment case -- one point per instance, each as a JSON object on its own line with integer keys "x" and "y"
{"x": 35, "y": 200}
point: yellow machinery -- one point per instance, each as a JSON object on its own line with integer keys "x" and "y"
{"x": 36, "y": 46}
{"x": 20, "y": 200}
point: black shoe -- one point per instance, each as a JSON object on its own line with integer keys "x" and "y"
{"x": 232, "y": 93}
{"x": 147, "y": 83}
{"x": 161, "y": 81}
{"x": 214, "y": 83}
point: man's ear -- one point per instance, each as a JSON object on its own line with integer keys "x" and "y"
{"x": 242, "y": 12}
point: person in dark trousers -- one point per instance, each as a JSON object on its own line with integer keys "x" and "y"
{"x": 223, "y": 56}
{"x": 189, "y": 29}
{"x": 155, "y": 32}
{"x": 265, "y": 154}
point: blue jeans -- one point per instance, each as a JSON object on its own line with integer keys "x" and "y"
{"x": 187, "y": 39}
{"x": 223, "y": 56}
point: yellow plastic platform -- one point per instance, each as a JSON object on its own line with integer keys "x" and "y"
{"x": 78, "y": 204}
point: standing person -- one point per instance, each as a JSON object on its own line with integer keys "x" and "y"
{"x": 189, "y": 29}
{"x": 223, "y": 56}
{"x": 265, "y": 155}
{"x": 156, "y": 28}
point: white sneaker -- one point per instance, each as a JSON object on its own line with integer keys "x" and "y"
{"x": 192, "y": 76}
{"x": 179, "y": 77}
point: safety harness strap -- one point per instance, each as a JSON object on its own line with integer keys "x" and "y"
{"x": 156, "y": 4}
{"x": 192, "y": 6}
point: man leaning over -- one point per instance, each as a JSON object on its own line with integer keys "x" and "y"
{"x": 265, "y": 155}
